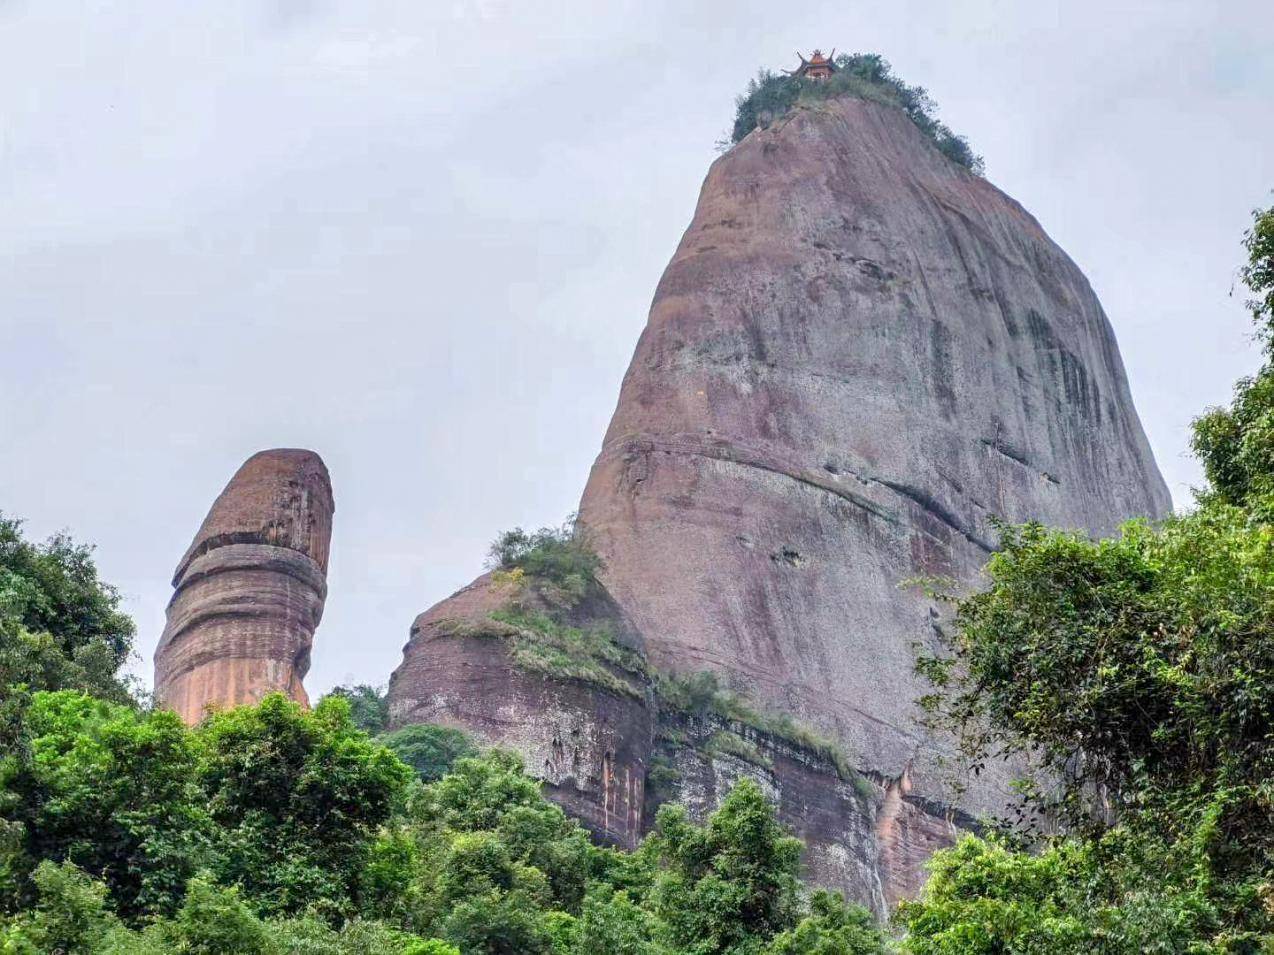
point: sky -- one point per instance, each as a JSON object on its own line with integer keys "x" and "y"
{"x": 421, "y": 238}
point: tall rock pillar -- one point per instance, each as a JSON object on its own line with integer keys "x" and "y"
{"x": 860, "y": 356}
{"x": 249, "y": 591}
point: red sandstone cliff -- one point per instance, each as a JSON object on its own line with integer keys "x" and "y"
{"x": 249, "y": 591}
{"x": 859, "y": 355}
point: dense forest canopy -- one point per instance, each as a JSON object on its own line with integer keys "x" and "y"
{"x": 771, "y": 96}
{"x": 272, "y": 829}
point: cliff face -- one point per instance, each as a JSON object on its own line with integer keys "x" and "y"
{"x": 587, "y": 732}
{"x": 249, "y": 591}
{"x": 859, "y": 355}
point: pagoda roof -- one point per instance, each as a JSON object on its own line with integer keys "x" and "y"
{"x": 817, "y": 59}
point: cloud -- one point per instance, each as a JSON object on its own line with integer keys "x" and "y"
{"x": 360, "y": 53}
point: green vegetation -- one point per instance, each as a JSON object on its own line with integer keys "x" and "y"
{"x": 1138, "y": 673}
{"x": 770, "y": 97}
{"x": 551, "y": 573}
{"x": 550, "y": 577}
{"x": 60, "y": 626}
{"x": 315, "y": 839}
{"x": 269, "y": 829}
{"x": 542, "y": 644}
{"x": 701, "y": 695}
{"x": 368, "y": 706}
{"x": 557, "y": 562}
{"x": 430, "y": 750}
{"x": 727, "y": 743}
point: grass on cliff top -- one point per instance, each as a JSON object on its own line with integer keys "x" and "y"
{"x": 592, "y": 655}
{"x": 702, "y": 695}
{"x": 771, "y": 96}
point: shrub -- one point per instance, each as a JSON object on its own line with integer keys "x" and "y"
{"x": 428, "y": 749}
{"x": 558, "y": 559}
{"x": 869, "y": 76}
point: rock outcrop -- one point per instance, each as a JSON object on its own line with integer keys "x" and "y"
{"x": 249, "y": 591}
{"x": 586, "y": 730}
{"x": 860, "y": 355}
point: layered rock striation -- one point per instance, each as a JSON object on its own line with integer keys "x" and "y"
{"x": 249, "y": 591}
{"x": 859, "y": 356}
{"x": 481, "y": 661}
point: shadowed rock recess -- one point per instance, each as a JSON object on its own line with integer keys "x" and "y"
{"x": 859, "y": 356}
{"x": 250, "y": 590}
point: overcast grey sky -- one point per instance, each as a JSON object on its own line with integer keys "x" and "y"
{"x": 421, "y": 238}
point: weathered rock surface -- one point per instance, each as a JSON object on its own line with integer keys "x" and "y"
{"x": 835, "y": 817}
{"x": 859, "y": 356}
{"x": 588, "y": 740}
{"x": 249, "y": 591}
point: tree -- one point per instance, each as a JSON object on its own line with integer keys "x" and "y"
{"x": 1236, "y": 444}
{"x": 71, "y": 914}
{"x": 61, "y": 627}
{"x": 612, "y": 922}
{"x": 493, "y": 795}
{"x": 54, "y": 588}
{"x": 428, "y": 749}
{"x": 833, "y": 927}
{"x": 1138, "y": 674}
{"x": 368, "y": 707}
{"x": 298, "y": 798}
{"x": 110, "y": 789}
{"x": 729, "y": 886}
{"x": 868, "y": 76}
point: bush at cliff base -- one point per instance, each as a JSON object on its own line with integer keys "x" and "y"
{"x": 274, "y": 829}
{"x": 244, "y": 836}
{"x": 1138, "y": 673}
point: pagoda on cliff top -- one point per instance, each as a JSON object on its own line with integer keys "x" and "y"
{"x": 817, "y": 67}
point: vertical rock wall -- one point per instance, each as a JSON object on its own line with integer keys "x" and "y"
{"x": 589, "y": 740}
{"x": 249, "y": 592}
{"x": 858, "y": 357}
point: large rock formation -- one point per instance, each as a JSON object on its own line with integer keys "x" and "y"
{"x": 587, "y": 735}
{"x": 859, "y": 356}
{"x": 250, "y": 589}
